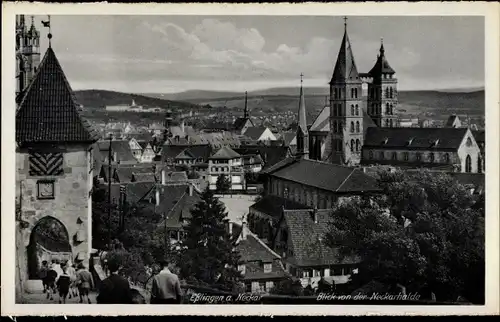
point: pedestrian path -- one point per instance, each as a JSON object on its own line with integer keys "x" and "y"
{"x": 41, "y": 298}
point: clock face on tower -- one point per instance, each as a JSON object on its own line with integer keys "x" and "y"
{"x": 45, "y": 189}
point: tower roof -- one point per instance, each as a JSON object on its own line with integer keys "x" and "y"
{"x": 345, "y": 67}
{"x": 301, "y": 121}
{"x": 48, "y": 112}
{"x": 381, "y": 65}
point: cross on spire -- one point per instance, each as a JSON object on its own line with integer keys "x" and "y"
{"x": 301, "y": 80}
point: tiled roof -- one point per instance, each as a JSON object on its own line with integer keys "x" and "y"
{"x": 120, "y": 147}
{"x": 176, "y": 204}
{"x": 200, "y": 151}
{"x": 171, "y": 151}
{"x": 451, "y": 120}
{"x": 345, "y": 67}
{"x": 135, "y": 191}
{"x": 270, "y": 154}
{"x": 240, "y": 122}
{"x": 144, "y": 177}
{"x": 308, "y": 239}
{"x": 48, "y": 112}
{"x": 381, "y": 65}
{"x": 176, "y": 176}
{"x": 288, "y": 137}
{"x": 322, "y": 121}
{"x": 327, "y": 176}
{"x": 479, "y": 136}
{"x": 225, "y": 153}
{"x": 414, "y": 138}
{"x": 254, "y": 133}
{"x": 278, "y": 165}
{"x": 273, "y": 205}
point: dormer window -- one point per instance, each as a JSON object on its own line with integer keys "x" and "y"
{"x": 268, "y": 267}
{"x": 242, "y": 269}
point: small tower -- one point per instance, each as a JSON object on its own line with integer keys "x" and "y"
{"x": 167, "y": 122}
{"x": 382, "y": 92}
{"x": 27, "y": 53}
{"x": 302, "y": 132}
{"x": 346, "y": 107}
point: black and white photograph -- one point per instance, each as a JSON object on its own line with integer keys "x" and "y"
{"x": 239, "y": 159}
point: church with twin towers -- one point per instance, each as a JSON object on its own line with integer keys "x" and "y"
{"x": 337, "y": 134}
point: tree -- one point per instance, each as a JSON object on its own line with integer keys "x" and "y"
{"x": 421, "y": 232}
{"x": 288, "y": 286}
{"x": 209, "y": 255}
{"x": 223, "y": 184}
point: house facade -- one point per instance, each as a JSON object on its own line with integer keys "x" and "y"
{"x": 226, "y": 162}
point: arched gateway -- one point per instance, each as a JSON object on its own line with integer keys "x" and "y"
{"x": 54, "y": 166}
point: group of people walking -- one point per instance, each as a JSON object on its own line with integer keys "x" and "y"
{"x": 66, "y": 279}
{"x": 70, "y": 280}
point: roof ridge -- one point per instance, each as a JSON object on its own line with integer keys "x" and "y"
{"x": 343, "y": 182}
{"x": 250, "y": 233}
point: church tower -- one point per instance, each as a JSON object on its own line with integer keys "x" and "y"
{"x": 27, "y": 53}
{"x": 382, "y": 92}
{"x": 346, "y": 107}
{"x": 302, "y": 132}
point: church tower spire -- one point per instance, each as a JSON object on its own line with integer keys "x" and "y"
{"x": 346, "y": 107}
{"x": 28, "y": 53}
{"x": 302, "y": 132}
{"x": 245, "y": 113}
{"x": 382, "y": 92}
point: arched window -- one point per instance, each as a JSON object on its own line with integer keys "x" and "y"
{"x": 352, "y": 145}
{"x": 387, "y": 92}
{"x": 352, "y": 127}
{"x": 405, "y": 156}
{"x": 390, "y": 92}
{"x": 357, "y": 127}
{"x": 390, "y": 123}
{"x": 387, "y": 108}
{"x": 431, "y": 157}
{"x": 334, "y": 126}
{"x": 355, "y": 93}
{"x": 468, "y": 164}
{"x": 352, "y": 109}
{"x": 357, "y": 109}
{"x": 479, "y": 164}
{"x": 358, "y": 145}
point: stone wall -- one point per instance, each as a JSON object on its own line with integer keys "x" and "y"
{"x": 71, "y": 204}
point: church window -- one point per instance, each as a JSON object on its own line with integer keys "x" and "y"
{"x": 390, "y": 123}
{"x": 357, "y": 109}
{"x": 390, "y": 92}
{"x": 370, "y": 155}
{"x": 394, "y": 156}
{"x": 468, "y": 164}
{"x": 386, "y": 91}
{"x": 352, "y": 127}
{"x": 387, "y": 108}
{"x": 358, "y": 145}
{"x": 352, "y": 145}
{"x": 431, "y": 157}
{"x": 352, "y": 109}
{"x": 479, "y": 164}
{"x": 352, "y": 92}
{"x": 334, "y": 126}
{"x": 357, "y": 127}
{"x": 46, "y": 164}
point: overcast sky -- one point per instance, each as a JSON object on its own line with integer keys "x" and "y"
{"x": 164, "y": 54}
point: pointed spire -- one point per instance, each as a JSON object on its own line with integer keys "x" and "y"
{"x": 345, "y": 67}
{"x": 245, "y": 113}
{"x": 381, "y": 65}
{"x": 302, "y": 122}
{"x": 382, "y": 50}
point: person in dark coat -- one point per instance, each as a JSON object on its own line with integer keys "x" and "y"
{"x": 166, "y": 286}
{"x": 115, "y": 289}
{"x": 51, "y": 281}
{"x": 43, "y": 274}
{"x": 63, "y": 283}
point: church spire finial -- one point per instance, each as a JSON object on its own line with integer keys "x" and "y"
{"x": 382, "y": 50}
{"x": 345, "y": 23}
{"x": 49, "y": 35}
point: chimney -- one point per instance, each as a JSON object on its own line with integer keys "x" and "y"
{"x": 182, "y": 127}
{"x": 244, "y": 230}
{"x": 163, "y": 174}
{"x": 157, "y": 196}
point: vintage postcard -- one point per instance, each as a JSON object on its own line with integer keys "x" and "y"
{"x": 306, "y": 159}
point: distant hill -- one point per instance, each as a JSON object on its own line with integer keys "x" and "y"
{"x": 100, "y": 98}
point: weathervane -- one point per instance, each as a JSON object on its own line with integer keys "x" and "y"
{"x": 345, "y": 21}
{"x": 47, "y": 24}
